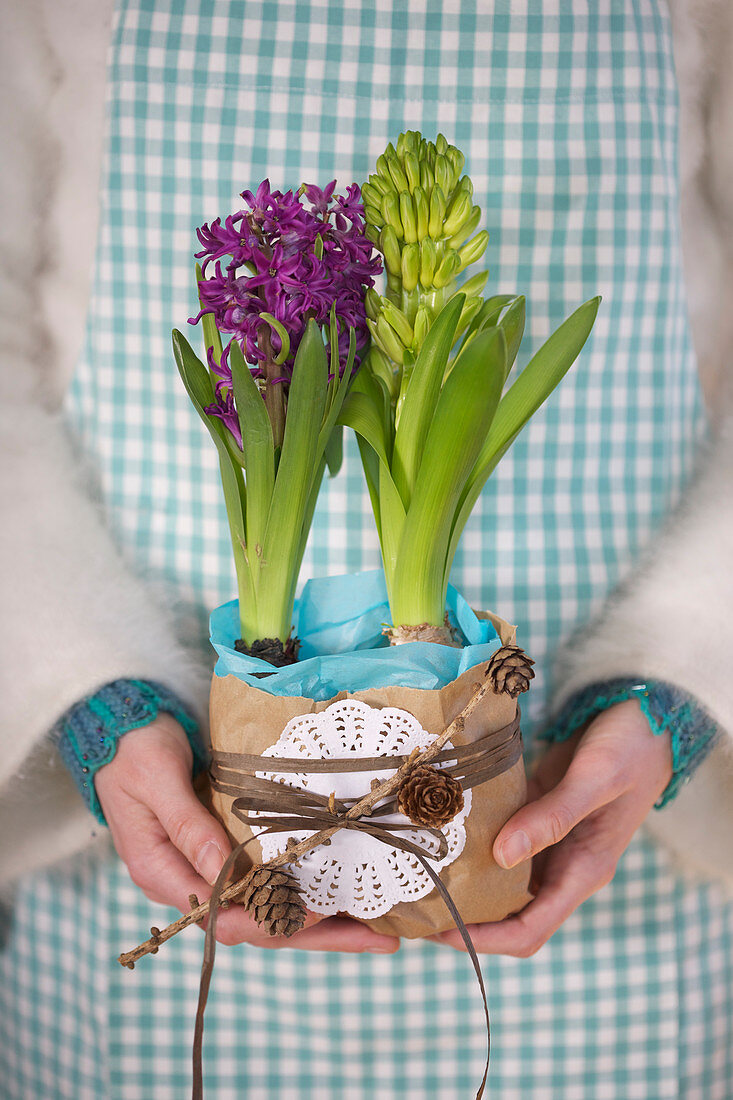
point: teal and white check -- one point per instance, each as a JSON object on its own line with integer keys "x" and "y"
{"x": 567, "y": 114}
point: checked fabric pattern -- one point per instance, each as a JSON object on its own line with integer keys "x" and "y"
{"x": 567, "y": 113}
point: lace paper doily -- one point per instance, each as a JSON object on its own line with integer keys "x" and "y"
{"x": 356, "y": 873}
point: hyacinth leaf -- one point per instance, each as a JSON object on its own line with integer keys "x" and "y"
{"x": 212, "y": 337}
{"x": 299, "y": 465}
{"x": 463, "y": 415}
{"x": 196, "y": 379}
{"x": 543, "y": 373}
{"x": 488, "y": 315}
{"x": 421, "y": 398}
{"x": 392, "y": 522}
{"x": 199, "y": 388}
{"x": 257, "y": 445}
{"x": 376, "y": 390}
{"x": 512, "y": 322}
{"x": 337, "y": 389}
{"x": 361, "y": 414}
{"x": 334, "y": 451}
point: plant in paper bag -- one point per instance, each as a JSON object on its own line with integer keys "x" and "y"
{"x": 279, "y": 276}
{"x": 431, "y": 407}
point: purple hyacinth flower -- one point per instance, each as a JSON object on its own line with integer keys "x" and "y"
{"x": 292, "y": 255}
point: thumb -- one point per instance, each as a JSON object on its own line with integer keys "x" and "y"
{"x": 194, "y": 832}
{"x": 592, "y": 780}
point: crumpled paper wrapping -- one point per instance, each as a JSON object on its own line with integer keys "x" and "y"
{"x": 248, "y": 715}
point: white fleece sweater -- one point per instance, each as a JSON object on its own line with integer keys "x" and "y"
{"x": 75, "y": 616}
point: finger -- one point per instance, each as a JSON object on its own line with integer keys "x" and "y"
{"x": 197, "y": 835}
{"x": 572, "y": 873}
{"x": 595, "y": 777}
{"x": 329, "y": 934}
{"x": 154, "y": 864}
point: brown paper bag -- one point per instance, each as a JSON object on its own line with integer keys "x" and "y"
{"x": 247, "y": 720}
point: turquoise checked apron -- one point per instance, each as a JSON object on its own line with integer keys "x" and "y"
{"x": 567, "y": 113}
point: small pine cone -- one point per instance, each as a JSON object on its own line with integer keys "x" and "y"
{"x": 273, "y": 898}
{"x": 510, "y": 670}
{"x": 429, "y": 797}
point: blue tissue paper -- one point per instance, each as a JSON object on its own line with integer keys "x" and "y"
{"x": 339, "y": 622}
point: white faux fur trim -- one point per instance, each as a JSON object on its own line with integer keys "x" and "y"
{"x": 674, "y": 621}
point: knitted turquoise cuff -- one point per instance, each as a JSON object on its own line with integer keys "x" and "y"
{"x": 664, "y": 706}
{"x": 88, "y": 733}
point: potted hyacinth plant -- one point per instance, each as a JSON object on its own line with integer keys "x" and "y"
{"x": 281, "y": 288}
{"x": 300, "y": 343}
{"x": 431, "y": 407}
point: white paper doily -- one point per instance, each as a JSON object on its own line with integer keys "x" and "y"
{"x": 356, "y": 873}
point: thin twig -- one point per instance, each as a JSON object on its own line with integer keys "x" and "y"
{"x": 292, "y": 854}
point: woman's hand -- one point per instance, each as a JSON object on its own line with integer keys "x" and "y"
{"x": 173, "y": 847}
{"x": 588, "y": 797}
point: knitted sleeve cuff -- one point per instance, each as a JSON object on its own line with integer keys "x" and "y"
{"x": 664, "y": 706}
{"x": 88, "y": 733}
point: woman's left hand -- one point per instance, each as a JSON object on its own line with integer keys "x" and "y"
{"x": 588, "y": 796}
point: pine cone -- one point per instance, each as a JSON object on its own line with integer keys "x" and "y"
{"x": 511, "y": 670}
{"x": 273, "y": 898}
{"x": 429, "y": 796}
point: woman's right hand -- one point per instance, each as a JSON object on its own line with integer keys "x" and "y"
{"x": 174, "y": 848}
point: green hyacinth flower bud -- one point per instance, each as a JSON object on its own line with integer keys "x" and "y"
{"x": 428, "y": 261}
{"x": 444, "y": 176}
{"x": 372, "y": 303}
{"x": 469, "y": 226}
{"x": 427, "y": 178}
{"x": 390, "y": 248}
{"x": 373, "y": 214}
{"x": 379, "y": 185}
{"x": 474, "y": 249}
{"x": 388, "y": 340}
{"x": 371, "y": 196}
{"x": 410, "y": 267}
{"x": 412, "y": 170}
{"x": 399, "y": 179}
{"x": 448, "y": 269}
{"x": 437, "y": 213}
{"x": 383, "y": 171}
{"x": 457, "y": 159}
{"x": 422, "y": 212}
{"x": 407, "y": 217}
{"x": 474, "y": 285}
{"x": 458, "y": 213}
{"x": 397, "y": 320}
{"x": 421, "y": 326}
{"x": 391, "y": 213}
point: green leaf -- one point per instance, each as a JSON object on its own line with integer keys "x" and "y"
{"x": 532, "y": 388}
{"x": 512, "y": 322}
{"x": 297, "y": 469}
{"x": 199, "y": 388}
{"x": 360, "y": 413}
{"x": 421, "y": 398}
{"x": 392, "y": 522}
{"x": 463, "y": 415}
{"x": 545, "y": 370}
{"x": 334, "y": 451}
{"x": 338, "y": 387}
{"x": 257, "y": 446}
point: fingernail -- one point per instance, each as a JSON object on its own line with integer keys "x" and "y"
{"x": 210, "y": 862}
{"x": 381, "y": 949}
{"x": 516, "y": 848}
